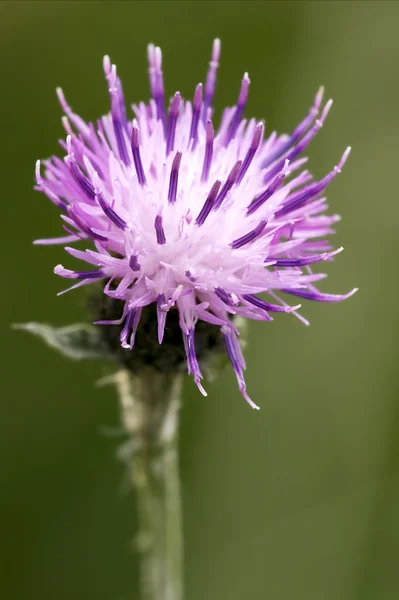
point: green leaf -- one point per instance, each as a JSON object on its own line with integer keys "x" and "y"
{"x": 78, "y": 341}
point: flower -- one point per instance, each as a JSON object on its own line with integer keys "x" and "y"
{"x": 188, "y": 217}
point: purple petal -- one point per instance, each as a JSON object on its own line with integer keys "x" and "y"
{"x": 224, "y": 296}
{"x": 318, "y": 296}
{"x": 110, "y": 213}
{"x": 266, "y": 305}
{"x": 46, "y": 190}
{"x": 249, "y": 237}
{"x": 173, "y": 115}
{"x": 136, "y": 156}
{"x": 302, "y": 145}
{"x": 156, "y": 80}
{"x": 162, "y": 310}
{"x": 211, "y": 77}
{"x": 174, "y": 177}
{"x": 235, "y": 356}
{"x": 192, "y": 362}
{"x": 258, "y": 135}
{"x": 301, "y": 262}
{"x": 208, "y": 151}
{"x": 197, "y": 105}
{"x": 231, "y": 179}
{"x": 271, "y": 189}
{"x": 310, "y": 192}
{"x": 241, "y": 102}
{"x": 97, "y": 274}
{"x": 121, "y": 142}
{"x": 127, "y": 329}
{"x": 298, "y": 131}
{"x": 209, "y": 203}
{"x": 80, "y": 179}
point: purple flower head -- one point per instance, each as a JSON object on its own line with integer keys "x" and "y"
{"x": 190, "y": 217}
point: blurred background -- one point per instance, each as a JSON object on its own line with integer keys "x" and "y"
{"x": 297, "y": 501}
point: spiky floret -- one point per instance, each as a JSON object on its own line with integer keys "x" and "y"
{"x": 188, "y": 217}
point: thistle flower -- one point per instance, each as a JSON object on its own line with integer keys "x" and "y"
{"x": 188, "y": 217}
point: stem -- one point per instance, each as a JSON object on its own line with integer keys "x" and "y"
{"x": 150, "y": 406}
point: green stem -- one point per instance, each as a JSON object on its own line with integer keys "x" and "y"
{"x": 150, "y": 406}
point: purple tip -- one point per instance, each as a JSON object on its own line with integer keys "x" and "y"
{"x": 174, "y": 177}
{"x": 197, "y": 104}
{"x": 62, "y": 100}
{"x": 311, "y": 191}
{"x": 302, "y": 145}
{"x": 303, "y": 261}
{"x": 192, "y": 361}
{"x": 258, "y": 135}
{"x": 175, "y": 105}
{"x": 208, "y": 151}
{"x": 68, "y": 274}
{"x": 49, "y": 193}
{"x": 81, "y": 225}
{"x": 216, "y": 50}
{"x": 209, "y": 203}
{"x": 173, "y": 115}
{"x": 121, "y": 142}
{"x": 190, "y": 276}
{"x": 266, "y": 305}
{"x": 80, "y": 179}
{"x": 318, "y": 99}
{"x": 118, "y": 109}
{"x": 161, "y": 239}
{"x": 162, "y": 309}
{"x": 273, "y": 187}
{"x": 224, "y": 296}
{"x": 298, "y": 132}
{"x": 151, "y": 67}
{"x": 134, "y": 263}
{"x": 241, "y": 102}
{"x": 243, "y": 96}
{"x": 135, "y": 138}
{"x": 248, "y": 237}
{"x": 231, "y": 179}
{"x": 109, "y": 211}
{"x": 317, "y": 296}
{"x": 236, "y": 359}
{"x": 127, "y": 329}
{"x": 343, "y": 159}
{"x": 211, "y": 77}
{"x": 156, "y": 74}
{"x": 136, "y": 157}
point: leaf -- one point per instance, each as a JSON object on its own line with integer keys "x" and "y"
{"x": 78, "y": 341}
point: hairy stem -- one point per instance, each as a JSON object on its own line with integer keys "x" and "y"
{"x": 150, "y": 408}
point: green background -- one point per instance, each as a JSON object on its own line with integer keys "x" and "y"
{"x": 299, "y": 501}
